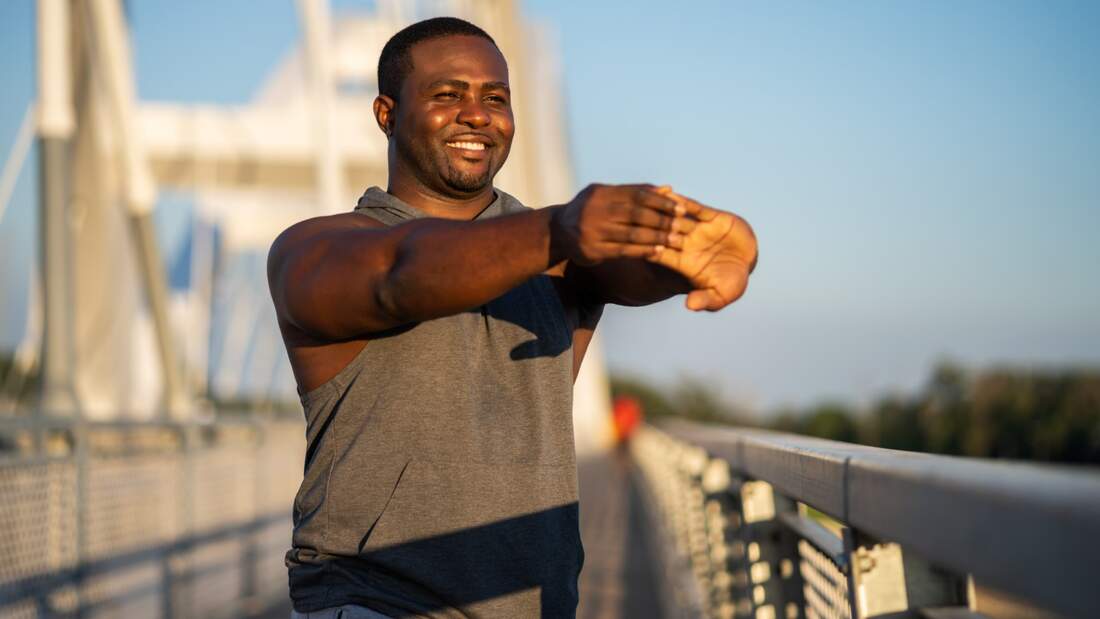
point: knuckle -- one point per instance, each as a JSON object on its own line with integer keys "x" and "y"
{"x": 589, "y": 251}
{"x": 592, "y": 191}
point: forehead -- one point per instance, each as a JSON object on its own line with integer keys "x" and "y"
{"x": 468, "y": 58}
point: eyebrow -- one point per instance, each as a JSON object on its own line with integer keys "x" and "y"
{"x": 461, "y": 85}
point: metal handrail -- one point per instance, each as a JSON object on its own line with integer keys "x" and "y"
{"x": 1030, "y": 530}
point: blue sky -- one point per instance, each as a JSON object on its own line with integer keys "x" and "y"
{"x": 922, "y": 177}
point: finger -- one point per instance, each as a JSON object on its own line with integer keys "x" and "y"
{"x": 639, "y": 215}
{"x": 629, "y": 250}
{"x": 683, "y": 225}
{"x": 685, "y": 205}
{"x": 640, "y": 236}
{"x": 649, "y": 196}
{"x": 666, "y": 256}
{"x": 706, "y": 299}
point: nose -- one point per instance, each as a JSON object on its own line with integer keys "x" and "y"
{"x": 473, "y": 114}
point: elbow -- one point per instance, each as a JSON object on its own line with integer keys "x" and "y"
{"x": 394, "y": 290}
{"x": 387, "y": 302}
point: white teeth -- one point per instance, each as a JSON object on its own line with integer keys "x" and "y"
{"x": 467, "y": 145}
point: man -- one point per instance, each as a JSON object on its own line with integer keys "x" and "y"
{"x": 435, "y": 333}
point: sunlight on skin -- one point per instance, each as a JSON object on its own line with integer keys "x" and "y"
{"x": 715, "y": 250}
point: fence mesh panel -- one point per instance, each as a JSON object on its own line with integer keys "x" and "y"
{"x": 131, "y": 503}
{"x": 824, "y": 586}
{"x": 143, "y": 521}
{"x": 37, "y": 524}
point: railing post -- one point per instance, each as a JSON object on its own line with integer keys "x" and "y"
{"x": 884, "y": 579}
{"x": 771, "y": 553}
{"x": 693, "y": 462}
{"x": 725, "y": 550}
{"x": 659, "y": 460}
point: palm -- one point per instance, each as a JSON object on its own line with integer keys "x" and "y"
{"x": 716, "y": 255}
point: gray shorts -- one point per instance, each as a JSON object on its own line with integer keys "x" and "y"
{"x": 347, "y": 611}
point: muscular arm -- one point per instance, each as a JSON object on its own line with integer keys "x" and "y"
{"x": 342, "y": 276}
{"x": 339, "y": 277}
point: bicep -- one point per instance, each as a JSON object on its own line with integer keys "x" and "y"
{"x": 324, "y": 277}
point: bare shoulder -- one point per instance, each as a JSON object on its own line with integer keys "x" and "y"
{"x": 294, "y": 245}
{"x": 308, "y": 230}
{"x": 314, "y": 358}
{"x": 301, "y": 274}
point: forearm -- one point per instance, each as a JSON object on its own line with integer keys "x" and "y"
{"x": 442, "y": 268}
{"x": 338, "y": 277}
{"x": 631, "y": 282}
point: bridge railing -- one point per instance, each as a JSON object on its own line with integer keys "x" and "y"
{"x": 772, "y": 526}
{"x": 145, "y": 519}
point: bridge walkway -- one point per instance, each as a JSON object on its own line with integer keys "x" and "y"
{"x": 620, "y": 578}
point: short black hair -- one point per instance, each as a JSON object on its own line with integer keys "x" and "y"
{"x": 395, "y": 62}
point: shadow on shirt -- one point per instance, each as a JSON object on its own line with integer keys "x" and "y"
{"x": 522, "y": 566}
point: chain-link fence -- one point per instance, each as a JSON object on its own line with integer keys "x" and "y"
{"x": 145, "y": 519}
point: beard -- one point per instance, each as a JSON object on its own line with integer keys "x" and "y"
{"x": 467, "y": 182}
{"x": 433, "y": 166}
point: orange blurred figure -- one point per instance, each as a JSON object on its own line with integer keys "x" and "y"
{"x": 626, "y": 414}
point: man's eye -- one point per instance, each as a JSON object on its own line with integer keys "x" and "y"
{"x": 497, "y": 99}
{"x": 446, "y": 95}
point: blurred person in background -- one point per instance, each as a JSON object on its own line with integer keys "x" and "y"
{"x": 626, "y": 415}
{"x": 435, "y": 333}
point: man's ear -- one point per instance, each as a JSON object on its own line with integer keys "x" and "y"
{"x": 384, "y": 108}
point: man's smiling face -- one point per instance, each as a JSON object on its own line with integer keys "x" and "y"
{"x": 454, "y": 125}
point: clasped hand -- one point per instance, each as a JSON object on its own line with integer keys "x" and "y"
{"x": 713, "y": 249}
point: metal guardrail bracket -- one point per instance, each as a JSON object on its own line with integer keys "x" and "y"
{"x": 884, "y": 579}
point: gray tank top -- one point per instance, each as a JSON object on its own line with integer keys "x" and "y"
{"x": 440, "y": 477}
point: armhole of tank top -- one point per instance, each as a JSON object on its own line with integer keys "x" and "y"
{"x": 342, "y": 377}
{"x": 352, "y": 366}
{"x": 557, "y": 306}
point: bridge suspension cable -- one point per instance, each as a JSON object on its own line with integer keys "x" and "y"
{"x": 17, "y": 156}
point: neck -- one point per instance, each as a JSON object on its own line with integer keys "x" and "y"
{"x": 416, "y": 194}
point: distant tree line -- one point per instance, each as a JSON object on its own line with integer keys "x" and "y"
{"x": 1048, "y": 415}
